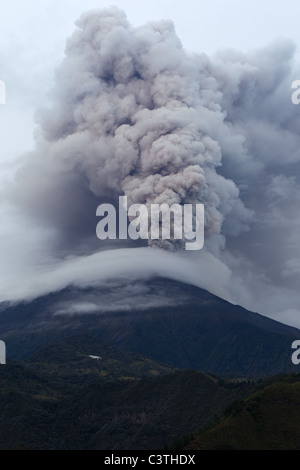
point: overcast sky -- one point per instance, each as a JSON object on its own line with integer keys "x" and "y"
{"x": 33, "y": 37}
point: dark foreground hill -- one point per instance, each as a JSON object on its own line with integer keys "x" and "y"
{"x": 267, "y": 420}
{"x": 62, "y": 398}
{"x": 176, "y": 324}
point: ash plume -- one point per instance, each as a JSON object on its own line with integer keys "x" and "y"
{"x": 133, "y": 114}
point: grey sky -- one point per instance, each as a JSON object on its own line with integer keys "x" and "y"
{"x": 33, "y": 35}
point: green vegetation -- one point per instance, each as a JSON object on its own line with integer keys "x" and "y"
{"x": 131, "y": 380}
{"x": 61, "y": 398}
{"x": 70, "y": 361}
{"x": 266, "y": 420}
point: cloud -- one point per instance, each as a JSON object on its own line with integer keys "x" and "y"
{"x": 119, "y": 264}
{"x": 130, "y": 116}
{"x": 133, "y": 113}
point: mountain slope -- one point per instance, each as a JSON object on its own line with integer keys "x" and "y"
{"x": 66, "y": 404}
{"x": 83, "y": 359}
{"x": 267, "y": 420}
{"x": 178, "y": 324}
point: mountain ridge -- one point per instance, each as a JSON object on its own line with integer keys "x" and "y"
{"x": 179, "y": 325}
{"x": 268, "y": 419}
{"x": 59, "y": 398}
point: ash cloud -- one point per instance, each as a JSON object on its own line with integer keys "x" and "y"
{"x": 133, "y": 113}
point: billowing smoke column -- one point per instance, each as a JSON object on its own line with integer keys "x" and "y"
{"x": 133, "y": 114}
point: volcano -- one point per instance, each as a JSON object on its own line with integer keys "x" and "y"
{"x": 171, "y": 322}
